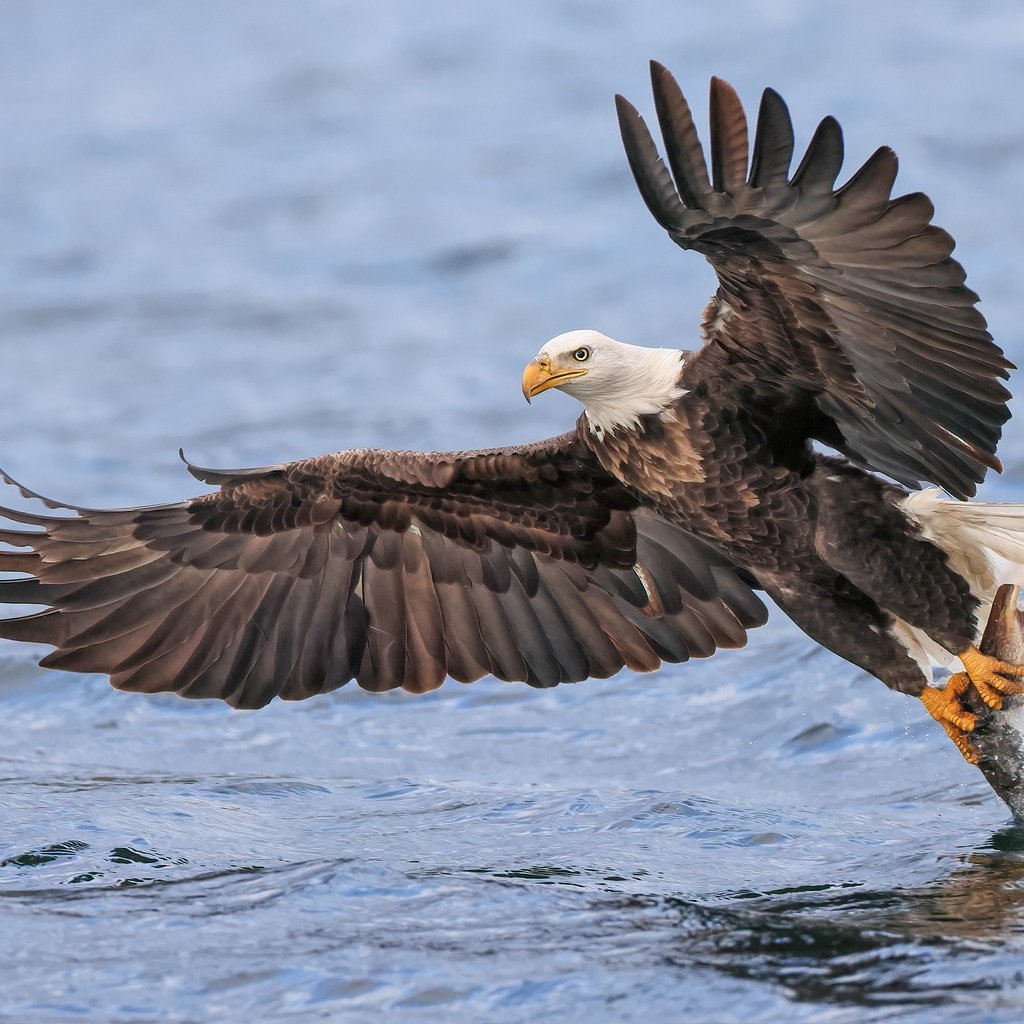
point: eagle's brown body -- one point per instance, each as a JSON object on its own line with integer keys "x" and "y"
{"x": 827, "y": 541}
{"x": 690, "y": 481}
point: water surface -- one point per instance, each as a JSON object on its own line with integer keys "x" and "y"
{"x": 267, "y": 231}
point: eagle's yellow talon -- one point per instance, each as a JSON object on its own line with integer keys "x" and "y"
{"x": 988, "y": 677}
{"x": 969, "y": 750}
{"x": 988, "y": 694}
{"x": 1007, "y": 668}
{"x": 945, "y": 707}
{"x": 991, "y": 671}
{"x": 952, "y": 709}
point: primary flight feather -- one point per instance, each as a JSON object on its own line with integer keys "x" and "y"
{"x": 689, "y": 482}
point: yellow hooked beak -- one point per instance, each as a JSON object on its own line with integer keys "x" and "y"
{"x": 539, "y": 375}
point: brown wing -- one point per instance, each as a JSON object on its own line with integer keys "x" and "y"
{"x": 845, "y": 300}
{"x": 396, "y": 569}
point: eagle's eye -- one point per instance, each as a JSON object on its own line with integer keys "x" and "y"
{"x": 582, "y": 354}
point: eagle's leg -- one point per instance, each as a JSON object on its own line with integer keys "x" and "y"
{"x": 865, "y": 534}
{"x": 989, "y": 676}
{"x": 850, "y": 624}
{"x": 854, "y": 627}
{"x": 945, "y": 707}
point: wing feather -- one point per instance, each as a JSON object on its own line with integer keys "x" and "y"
{"x": 773, "y": 143}
{"x": 816, "y": 174}
{"x": 729, "y": 145}
{"x": 652, "y": 177}
{"x": 521, "y": 563}
{"x": 685, "y": 153}
{"x": 845, "y": 298}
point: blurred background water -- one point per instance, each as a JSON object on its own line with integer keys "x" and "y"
{"x": 264, "y": 231}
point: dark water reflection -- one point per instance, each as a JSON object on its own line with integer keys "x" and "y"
{"x": 265, "y": 231}
{"x": 917, "y": 946}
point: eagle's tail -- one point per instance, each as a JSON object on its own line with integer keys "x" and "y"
{"x": 984, "y": 541}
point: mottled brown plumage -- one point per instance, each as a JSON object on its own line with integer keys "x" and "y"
{"x": 639, "y": 537}
{"x": 394, "y": 568}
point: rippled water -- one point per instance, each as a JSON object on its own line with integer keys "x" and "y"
{"x": 266, "y": 231}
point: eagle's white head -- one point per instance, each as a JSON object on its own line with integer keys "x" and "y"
{"x": 616, "y": 383}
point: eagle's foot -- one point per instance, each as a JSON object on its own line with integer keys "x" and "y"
{"x": 945, "y": 707}
{"x": 989, "y": 676}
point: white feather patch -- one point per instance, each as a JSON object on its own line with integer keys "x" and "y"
{"x": 984, "y": 542}
{"x": 920, "y": 646}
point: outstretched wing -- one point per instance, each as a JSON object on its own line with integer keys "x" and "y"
{"x": 396, "y": 569}
{"x": 844, "y": 301}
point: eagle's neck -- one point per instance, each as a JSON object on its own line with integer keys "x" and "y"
{"x": 645, "y": 385}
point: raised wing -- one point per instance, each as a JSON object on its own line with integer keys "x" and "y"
{"x": 396, "y": 569}
{"x": 845, "y": 301}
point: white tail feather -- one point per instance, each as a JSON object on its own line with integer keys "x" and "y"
{"x": 984, "y": 542}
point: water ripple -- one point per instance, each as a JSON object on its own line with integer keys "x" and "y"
{"x": 247, "y": 231}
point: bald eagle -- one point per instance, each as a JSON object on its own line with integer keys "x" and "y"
{"x": 642, "y": 536}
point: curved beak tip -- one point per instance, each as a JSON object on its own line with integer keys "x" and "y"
{"x": 535, "y": 379}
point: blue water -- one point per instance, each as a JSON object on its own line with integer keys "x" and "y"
{"x": 264, "y": 231}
